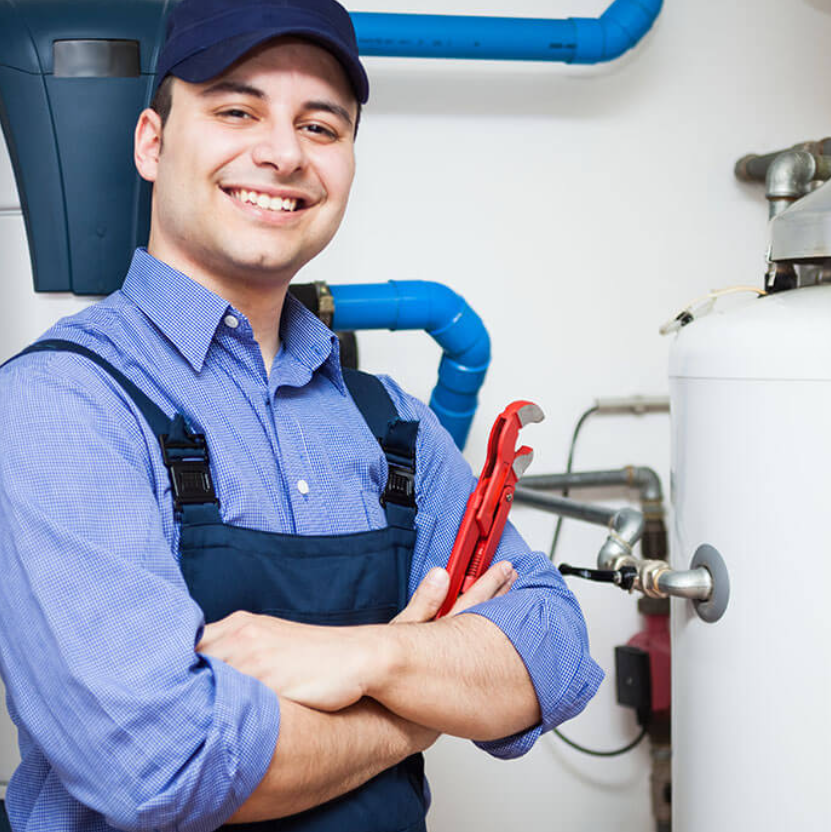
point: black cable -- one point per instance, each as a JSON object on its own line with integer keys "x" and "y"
{"x": 580, "y": 422}
{"x": 589, "y": 751}
{"x": 582, "y": 749}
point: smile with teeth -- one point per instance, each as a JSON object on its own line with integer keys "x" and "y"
{"x": 269, "y": 203}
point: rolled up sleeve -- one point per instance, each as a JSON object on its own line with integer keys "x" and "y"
{"x": 97, "y": 628}
{"x": 543, "y": 621}
{"x": 540, "y": 616}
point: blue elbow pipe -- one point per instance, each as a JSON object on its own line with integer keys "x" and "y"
{"x": 579, "y": 40}
{"x": 459, "y": 331}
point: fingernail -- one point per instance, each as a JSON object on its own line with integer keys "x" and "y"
{"x": 507, "y": 568}
{"x": 438, "y": 577}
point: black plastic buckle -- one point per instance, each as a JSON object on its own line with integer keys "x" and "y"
{"x": 400, "y": 488}
{"x": 189, "y": 469}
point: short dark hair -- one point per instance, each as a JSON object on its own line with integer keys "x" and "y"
{"x": 163, "y": 102}
{"x": 163, "y": 99}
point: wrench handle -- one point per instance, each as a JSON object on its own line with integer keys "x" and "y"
{"x": 460, "y": 555}
{"x": 483, "y": 556}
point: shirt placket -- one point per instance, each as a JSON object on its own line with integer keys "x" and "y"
{"x": 301, "y": 487}
{"x": 254, "y": 384}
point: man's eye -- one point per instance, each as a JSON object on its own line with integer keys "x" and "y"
{"x": 235, "y": 114}
{"x": 320, "y": 130}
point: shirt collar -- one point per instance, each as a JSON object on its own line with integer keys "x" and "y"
{"x": 186, "y": 312}
{"x": 308, "y": 343}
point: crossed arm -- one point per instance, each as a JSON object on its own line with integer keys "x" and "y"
{"x": 357, "y": 700}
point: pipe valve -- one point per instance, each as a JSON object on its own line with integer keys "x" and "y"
{"x": 623, "y": 577}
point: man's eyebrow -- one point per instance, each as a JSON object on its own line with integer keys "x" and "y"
{"x": 232, "y": 86}
{"x": 246, "y": 89}
{"x": 330, "y": 107}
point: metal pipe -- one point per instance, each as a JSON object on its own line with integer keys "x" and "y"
{"x": 586, "y": 479}
{"x": 598, "y": 515}
{"x": 625, "y": 524}
{"x": 574, "y": 40}
{"x": 419, "y": 304}
{"x": 789, "y": 176}
{"x": 695, "y": 584}
{"x": 640, "y": 477}
{"x": 649, "y": 484}
{"x": 625, "y": 531}
{"x": 754, "y": 167}
{"x": 635, "y": 405}
{"x": 654, "y": 537}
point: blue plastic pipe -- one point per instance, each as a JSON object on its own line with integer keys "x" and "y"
{"x": 576, "y": 40}
{"x": 459, "y": 331}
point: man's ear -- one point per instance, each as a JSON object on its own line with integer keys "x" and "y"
{"x": 148, "y": 144}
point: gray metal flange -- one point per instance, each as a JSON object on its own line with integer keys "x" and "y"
{"x": 714, "y": 607}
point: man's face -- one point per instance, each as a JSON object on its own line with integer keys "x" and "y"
{"x": 252, "y": 177}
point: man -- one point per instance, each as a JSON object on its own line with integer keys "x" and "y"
{"x": 117, "y": 547}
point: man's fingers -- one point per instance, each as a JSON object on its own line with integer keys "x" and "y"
{"x": 506, "y": 587}
{"x": 214, "y": 633}
{"x": 426, "y": 600}
{"x": 431, "y": 592}
{"x": 495, "y": 582}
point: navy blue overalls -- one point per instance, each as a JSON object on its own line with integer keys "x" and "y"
{"x": 335, "y": 579}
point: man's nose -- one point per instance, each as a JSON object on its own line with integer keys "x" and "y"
{"x": 281, "y": 149}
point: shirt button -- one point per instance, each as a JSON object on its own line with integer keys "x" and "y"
{"x": 303, "y": 487}
{"x": 231, "y": 322}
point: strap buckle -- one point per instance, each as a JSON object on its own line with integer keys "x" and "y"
{"x": 400, "y": 488}
{"x": 190, "y": 473}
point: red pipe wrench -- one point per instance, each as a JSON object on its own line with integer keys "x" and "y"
{"x": 488, "y": 506}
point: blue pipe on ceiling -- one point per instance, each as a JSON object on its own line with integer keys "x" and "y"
{"x": 459, "y": 331}
{"x": 576, "y": 40}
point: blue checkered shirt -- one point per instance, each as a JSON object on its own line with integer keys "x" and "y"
{"x": 121, "y": 724}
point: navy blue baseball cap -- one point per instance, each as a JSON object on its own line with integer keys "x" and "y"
{"x": 204, "y": 37}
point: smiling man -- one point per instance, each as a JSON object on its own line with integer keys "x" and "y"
{"x": 256, "y": 173}
{"x": 217, "y": 600}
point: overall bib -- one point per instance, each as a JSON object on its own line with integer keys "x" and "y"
{"x": 329, "y": 580}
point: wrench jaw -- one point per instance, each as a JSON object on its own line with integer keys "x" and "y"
{"x": 506, "y": 431}
{"x": 524, "y": 458}
{"x": 529, "y": 413}
{"x": 525, "y": 413}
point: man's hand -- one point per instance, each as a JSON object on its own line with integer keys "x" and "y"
{"x": 320, "y": 667}
{"x": 429, "y": 596}
{"x": 330, "y": 668}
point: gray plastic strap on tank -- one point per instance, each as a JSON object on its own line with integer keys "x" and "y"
{"x": 96, "y": 58}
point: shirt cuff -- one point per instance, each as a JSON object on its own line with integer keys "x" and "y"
{"x": 248, "y": 721}
{"x": 553, "y": 645}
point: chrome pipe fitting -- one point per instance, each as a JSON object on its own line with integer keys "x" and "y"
{"x": 790, "y": 175}
{"x": 694, "y": 584}
{"x": 625, "y": 530}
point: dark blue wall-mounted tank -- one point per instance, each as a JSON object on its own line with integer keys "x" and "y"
{"x": 73, "y": 78}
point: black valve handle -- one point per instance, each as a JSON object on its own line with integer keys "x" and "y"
{"x": 623, "y": 577}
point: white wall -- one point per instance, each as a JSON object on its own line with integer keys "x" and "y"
{"x": 576, "y": 209}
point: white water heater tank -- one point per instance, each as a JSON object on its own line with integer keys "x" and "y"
{"x": 751, "y": 475}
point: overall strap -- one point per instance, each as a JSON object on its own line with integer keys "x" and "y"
{"x": 398, "y": 442}
{"x": 185, "y": 454}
